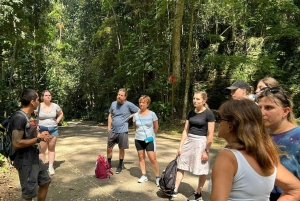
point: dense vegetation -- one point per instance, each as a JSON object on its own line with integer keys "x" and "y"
{"x": 84, "y": 50}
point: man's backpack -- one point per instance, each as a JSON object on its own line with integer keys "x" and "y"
{"x": 168, "y": 178}
{"x": 6, "y": 147}
{"x": 102, "y": 168}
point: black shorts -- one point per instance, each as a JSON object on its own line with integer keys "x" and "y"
{"x": 31, "y": 177}
{"x": 274, "y": 196}
{"x": 142, "y": 145}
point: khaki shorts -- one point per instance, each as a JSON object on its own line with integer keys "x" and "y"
{"x": 31, "y": 177}
{"x": 118, "y": 138}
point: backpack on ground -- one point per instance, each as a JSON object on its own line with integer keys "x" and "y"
{"x": 6, "y": 147}
{"x": 168, "y": 178}
{"x": 102, "y": 168}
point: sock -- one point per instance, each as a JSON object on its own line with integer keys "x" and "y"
{"x": 120, "y": 162}
{"x": 50, "y": 165}
{"x": 109, "y": 161}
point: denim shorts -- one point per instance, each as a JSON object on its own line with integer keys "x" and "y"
{"x": 53, "y": 130}
{"x": 31, "y": 177}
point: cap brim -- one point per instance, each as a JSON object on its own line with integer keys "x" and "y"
{"x": 231, "y": 87}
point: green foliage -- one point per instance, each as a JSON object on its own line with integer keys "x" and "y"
{"x": 162, "y": 110}
{"x": 84, "y": 51}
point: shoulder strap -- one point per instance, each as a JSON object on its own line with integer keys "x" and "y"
{"x": 38, "y": 113}
{"x": 142, "y": 124}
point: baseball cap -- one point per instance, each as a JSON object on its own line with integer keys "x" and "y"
{"x": 239, "y": 84}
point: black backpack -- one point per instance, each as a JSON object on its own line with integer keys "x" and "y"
{"x": 168, "y": 178}
{"x": 6, "y": 147}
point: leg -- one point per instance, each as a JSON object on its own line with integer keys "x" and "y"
{"x": 44, "y": 146}
{"x": 142, "y": 156}
{"x": 179, "y": 177}
{"x": 42, "y": 192}
{"x": 201, "y": 182}
{"x": 109, "y": 152}
{"x": 121, "y": 153}
{"x": 51, "y": 150}
{"x": 111, "y": 140}
{"x": 154, "y": 163}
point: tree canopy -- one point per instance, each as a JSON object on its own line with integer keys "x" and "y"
{"x": 83, "y": 51}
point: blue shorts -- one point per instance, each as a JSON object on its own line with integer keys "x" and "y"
{"x": 53, "y": 130}
{"x": 31, "y": 177}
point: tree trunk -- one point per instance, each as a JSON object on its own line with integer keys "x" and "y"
{"x": 188, "y": 63}
{"x": 176, "y": 64}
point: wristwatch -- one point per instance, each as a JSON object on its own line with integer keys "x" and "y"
{"x": 38, "y": 140}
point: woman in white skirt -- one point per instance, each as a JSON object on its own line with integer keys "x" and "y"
{"x": 195, "y": 142}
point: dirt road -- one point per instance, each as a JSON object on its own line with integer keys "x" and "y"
{"x": 77, "y": 149}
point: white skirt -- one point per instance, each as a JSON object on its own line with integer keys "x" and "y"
{"x": 191, "y": 152}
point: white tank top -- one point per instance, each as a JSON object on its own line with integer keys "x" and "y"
{"x": 247, "y": 184}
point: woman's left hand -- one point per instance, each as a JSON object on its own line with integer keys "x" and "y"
{"x": 204, "y": 156}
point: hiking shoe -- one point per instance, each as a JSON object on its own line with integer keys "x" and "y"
{"x": 195, "y": 196}
{"x": 143, "y": 179}
{"x": 174, "y": 194}
{"x": 51, "y": 170}
{"x": 157, "y": 181}
{"x": 119, "y": 170}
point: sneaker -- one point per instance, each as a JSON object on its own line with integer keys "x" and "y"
{"x": 195, "y": 196}
{"x": 174, "y": 194}
{"x": 157, "y": 181}
{"x": 51, "y": 170}
{"x": 119, "y": 170}
{"x": 143, "y": 179}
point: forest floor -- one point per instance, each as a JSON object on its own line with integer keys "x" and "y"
{"x": 73, "y": 179}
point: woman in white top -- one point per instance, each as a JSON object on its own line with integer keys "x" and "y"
{"x": 49, "y": 114}
{"x": 249, "y": 166}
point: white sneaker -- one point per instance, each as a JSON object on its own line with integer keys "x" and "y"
{"x": 157, "y": 181}
{"x": 51, "y": 170}
{"x": 143, "y": 179}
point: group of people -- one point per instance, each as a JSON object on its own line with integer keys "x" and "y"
{"x": 31, "y": 139}
{"x": 260, "y": 161}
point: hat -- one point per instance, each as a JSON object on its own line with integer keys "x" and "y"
{"x": 239, "y": 84}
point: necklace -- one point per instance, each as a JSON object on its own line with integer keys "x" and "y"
{"x": 201, "y": 110}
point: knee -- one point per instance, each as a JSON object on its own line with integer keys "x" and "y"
{"x": 46, "y": 185}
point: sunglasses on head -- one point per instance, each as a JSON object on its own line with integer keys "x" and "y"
{"x": 274, "y": 90}
{"x": 219, "y": 119}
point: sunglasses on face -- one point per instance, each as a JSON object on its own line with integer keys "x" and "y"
{"x": 219, "y": 119}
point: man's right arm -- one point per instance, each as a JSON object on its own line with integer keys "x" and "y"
{"x": 19, "y": 143}
{"x": 109, "y": 120}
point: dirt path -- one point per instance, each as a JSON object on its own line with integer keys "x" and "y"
{"x": 77, "y": 150}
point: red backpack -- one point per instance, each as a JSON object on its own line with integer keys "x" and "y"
{"x": 102, "y": 168}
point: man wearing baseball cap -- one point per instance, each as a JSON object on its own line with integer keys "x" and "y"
{"x": 239, "y": 89}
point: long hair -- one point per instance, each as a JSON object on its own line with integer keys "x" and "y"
{"x": 247, "y": 123}
{"x": 203, "y": 95}
{"x": 280, "y": 97}
{"x": 270, "y": 82}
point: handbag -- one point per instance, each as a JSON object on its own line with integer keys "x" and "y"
{"x": 147, "y": 139}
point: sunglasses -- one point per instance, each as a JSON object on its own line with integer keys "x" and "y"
{"x": 219, "y": 119}
{"x": 274, "y": 90}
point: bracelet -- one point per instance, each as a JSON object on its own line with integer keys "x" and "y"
{"x": 206, "y": 150}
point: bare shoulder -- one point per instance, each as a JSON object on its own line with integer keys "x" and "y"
{"x": 225, "y": 157}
